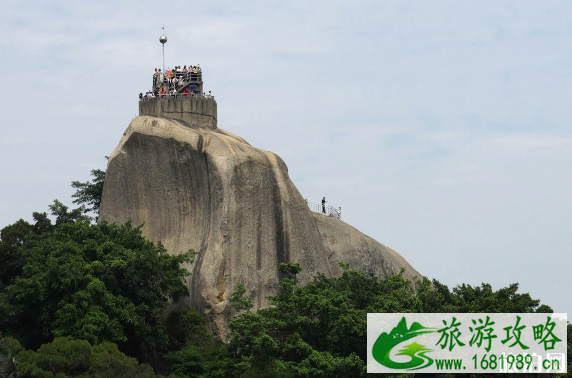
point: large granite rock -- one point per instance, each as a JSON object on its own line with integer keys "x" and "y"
{"x": 211, "y": 191}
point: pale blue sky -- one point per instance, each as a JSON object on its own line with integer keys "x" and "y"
{"x": 442, "y": 128}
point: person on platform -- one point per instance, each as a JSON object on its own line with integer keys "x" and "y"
{"x": 140, "y": 96}
{"x": 155, "y": 77}
{"x": 324, "y": 205}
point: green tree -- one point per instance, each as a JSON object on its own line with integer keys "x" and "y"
{"x": 100, "y": 283}
{"x": 437, "y": 297}
{"x": 65, "y": 358}
{"x": 89, "y": 193}
{"x": 239, "y": 301}
{"x": 319, "y": 330}
{"x": 12, "y": 237}
{"x": 9, "y": 347}
{"x": 194, "y": 350}
{"x": 63, "y": 214}
{"x": 186, "y": 327}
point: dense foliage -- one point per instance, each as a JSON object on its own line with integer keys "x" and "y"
{"x": 65, "y": 358}
{"x": 100, "y": 283}
{"x": 316, "y": 330}
{"x": 89, "y": 193}
{"x": 9, "y": 348}
{"x": 319, "y": 330}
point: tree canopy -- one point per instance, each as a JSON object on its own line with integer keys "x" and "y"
{"x": 64, "y": 358}
{"x": 319, "y": 330}
{"x": 89, "y": 193}
{"x": 100, "y": 283}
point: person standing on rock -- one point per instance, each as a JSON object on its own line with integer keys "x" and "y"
{"x": 324, "y": 205}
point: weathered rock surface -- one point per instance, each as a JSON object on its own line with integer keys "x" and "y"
{"x": 343, "y": 242}
{"x": 211, "y": 191}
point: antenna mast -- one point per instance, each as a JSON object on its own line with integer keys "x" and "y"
{"x": 163, "y": 40}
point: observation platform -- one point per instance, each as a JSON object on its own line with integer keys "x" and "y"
{"x": 178, "y": 95}
{"x": 326, "y": 209}
{"x": 179, "y": 82}
{"x": 195, "y": 110}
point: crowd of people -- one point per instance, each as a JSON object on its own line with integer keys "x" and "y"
{"x": 177, "y": 75}
{"x": 171, "y": 81}
{"x": 163, "y": 92}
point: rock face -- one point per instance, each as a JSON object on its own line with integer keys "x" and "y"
{"x": 211, "y": 191}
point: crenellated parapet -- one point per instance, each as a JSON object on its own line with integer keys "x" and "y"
{"x": 194, "y": 110}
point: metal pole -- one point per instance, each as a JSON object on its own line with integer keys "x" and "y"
{"x": 163, "y": 40}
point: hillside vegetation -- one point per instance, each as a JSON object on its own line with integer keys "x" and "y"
{"x": 80, "y": 299}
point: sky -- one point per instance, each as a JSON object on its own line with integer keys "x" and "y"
{"x": 442, "y": 128}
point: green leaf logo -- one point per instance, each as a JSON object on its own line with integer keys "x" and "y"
{"x": 386, "y": 342}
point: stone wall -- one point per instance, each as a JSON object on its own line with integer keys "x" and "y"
{"x": 196, "y": 111}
